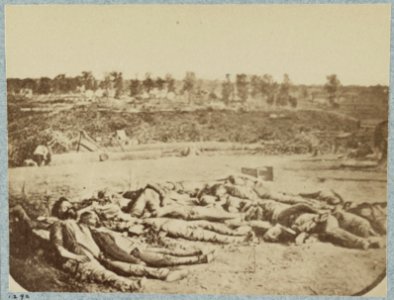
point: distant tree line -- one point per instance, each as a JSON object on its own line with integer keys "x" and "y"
{"x": 255, "y": 86}
{"x": 243, "y": 88}
{"x": 62, "y": 84}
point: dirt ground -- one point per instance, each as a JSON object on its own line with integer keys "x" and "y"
{"x": 263, "y": 269}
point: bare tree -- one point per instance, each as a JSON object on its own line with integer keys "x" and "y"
{"x": 189, "y": 85}
{"x": 170, "y": 82}
{"x": 159, "y": 83}
{"x": 63, "y": 84}
{"x": 88, "y": 80}
{"x": 268, "y": 88}
{"x": 284, "y": 91}
{"x": 148, "y": 83}
{"x": 255, "y": 84}
{"x": 242, "y": 86}
{"x": 332, "y": 87}
{"x": 135, "y": 87}
{"x": 106, "y": 84}
{"x": 117, "y": 79}
{"x": 304, "y": 92}
{"x": 227, "y": 89}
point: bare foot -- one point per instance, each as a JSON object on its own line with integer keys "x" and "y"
{"x": 176, "y": 275}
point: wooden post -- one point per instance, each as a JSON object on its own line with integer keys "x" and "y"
{"x": 79, "y": 142}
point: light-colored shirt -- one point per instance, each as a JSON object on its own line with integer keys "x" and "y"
{"x": 85, "y": 240}
{"x": 41, "y": 150}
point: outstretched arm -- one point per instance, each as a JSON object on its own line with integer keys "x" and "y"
{"x": 56, "y": 238}
{"x": 63, "y": 252}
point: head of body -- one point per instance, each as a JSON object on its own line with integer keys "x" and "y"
{"x": 104, "y": 196}
{"x": 236, "y": 180}
{"x": 156, "y": 223}
{"x": 63, "y": 209}
{"x": 90, "y": 219}
{"x": 214, "y": 193}
{"x": 330, "y": 197}
{"x": 242, "y": 180}
{"x": 278, "y": 233}
{"x": 217, "y": 190}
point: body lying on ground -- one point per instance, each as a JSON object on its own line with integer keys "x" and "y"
{"x": 224, "y": 199}
{"x": 92, "y": 254}
{"x": 235, "y": 198}
{"x": 230, "y": 211}
{"x": 71, "y": 256}
{"x": 375, "y": 213}
{"x": 341, "y": 228}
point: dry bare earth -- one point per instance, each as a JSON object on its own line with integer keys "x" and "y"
{"x": 271, "y": 269}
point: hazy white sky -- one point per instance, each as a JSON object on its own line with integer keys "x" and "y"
{"x": 306, "y": 41}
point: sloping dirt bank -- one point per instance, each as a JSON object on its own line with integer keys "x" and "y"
{"x": 278, "y": 130}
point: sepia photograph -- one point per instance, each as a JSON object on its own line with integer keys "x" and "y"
{"x": 198, "y": 149}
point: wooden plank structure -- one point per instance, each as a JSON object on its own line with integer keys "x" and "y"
{"x": 86, "y": 142}
{"x": 265, "y": 173}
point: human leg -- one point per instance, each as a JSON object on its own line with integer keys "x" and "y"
{"x": 198, "y": 234}
{"x": 175, "y": 252}
{"x": 38, "y": 158}
{"x": 211, "y": 214}
{"x": 22, "y": 217}
{"x": 217, "y": 227}
{"x": 354, "y": 224}
{"x": 333, "y": 233}
{"x": 155, "y": 259}
{"x": 123, "y": 268}
{"x": 182, "y": 229}
{"x": 173, "y": 211}
{"x": 94, "y": 271}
